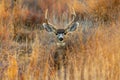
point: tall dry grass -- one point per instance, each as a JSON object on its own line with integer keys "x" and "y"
{"x": 96, "y": 58}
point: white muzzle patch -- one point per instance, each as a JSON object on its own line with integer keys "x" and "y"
{"x": 60, "y": 37}
{"x": 60, "y": 44}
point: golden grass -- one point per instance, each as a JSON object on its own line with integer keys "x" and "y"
{"x": 96, "y": 59}
{"x": 12, "y": 70}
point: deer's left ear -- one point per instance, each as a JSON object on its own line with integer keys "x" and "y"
{"x": 73, "y": 27}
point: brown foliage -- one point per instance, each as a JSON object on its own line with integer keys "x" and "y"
{"x": 98, "y": 58}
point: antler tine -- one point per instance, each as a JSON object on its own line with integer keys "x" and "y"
{"x": 73, "y": 19}
{"x": 74, "y": 14}
{"x": 46, "y": 16}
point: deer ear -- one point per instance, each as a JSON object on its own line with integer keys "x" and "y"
{"x": 48, "y": 27}
{"x": 73, "y": 27}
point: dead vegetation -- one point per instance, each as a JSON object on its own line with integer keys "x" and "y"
{"x": 24, "y": 36}
{"x": 94, "y": 52}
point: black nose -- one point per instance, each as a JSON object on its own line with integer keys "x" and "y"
{"x": 60, "y": 39}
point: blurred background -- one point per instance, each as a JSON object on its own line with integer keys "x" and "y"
{"x": 26, "y": 49}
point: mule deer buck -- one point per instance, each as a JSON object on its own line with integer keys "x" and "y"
{"x": 60, "y": 54}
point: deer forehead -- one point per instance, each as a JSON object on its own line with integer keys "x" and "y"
{"x": 60, "y": 30}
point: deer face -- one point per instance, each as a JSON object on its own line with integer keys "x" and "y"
{"x": 60, "y": 33}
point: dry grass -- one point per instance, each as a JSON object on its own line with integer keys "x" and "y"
{"x": 93, "y": 55}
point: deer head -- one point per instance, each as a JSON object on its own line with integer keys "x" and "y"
{"x": 60, "y": 33}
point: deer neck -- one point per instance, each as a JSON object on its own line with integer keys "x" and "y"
{"x": 60, "y": 44}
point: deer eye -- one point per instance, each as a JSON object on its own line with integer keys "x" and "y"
{"x": 56, "y": 33}
{"x": 64, "y": 33}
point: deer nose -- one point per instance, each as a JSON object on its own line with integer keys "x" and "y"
{"x": 61, "y": 39}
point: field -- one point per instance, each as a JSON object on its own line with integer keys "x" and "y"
{"x": 26, "y": 48}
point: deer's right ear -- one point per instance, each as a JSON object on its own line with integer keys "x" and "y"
{"x": 47, "y": 27}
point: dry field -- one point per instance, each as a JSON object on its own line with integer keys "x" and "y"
{"x": 26, "y": 48}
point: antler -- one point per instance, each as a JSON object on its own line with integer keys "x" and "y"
{"x": 73, "y": 20}
{"x": 46, "y": 17}
{"x": 47, "y": 21}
